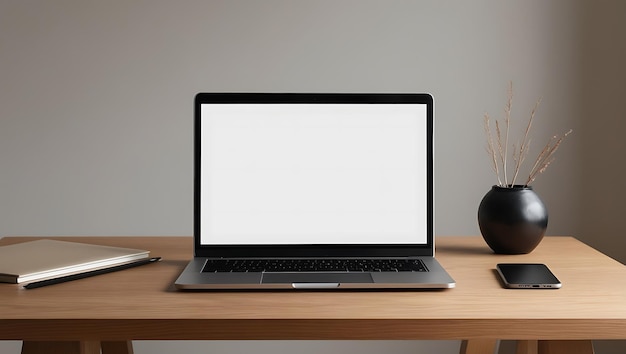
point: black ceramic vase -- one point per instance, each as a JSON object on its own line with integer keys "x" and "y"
{"x": 512, "y": 220}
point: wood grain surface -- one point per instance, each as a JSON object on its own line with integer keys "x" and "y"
{"x": 141, "y": 303}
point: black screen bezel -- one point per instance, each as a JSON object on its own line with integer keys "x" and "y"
{"x": 237, "y": 251}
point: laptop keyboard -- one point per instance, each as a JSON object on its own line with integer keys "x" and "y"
{"x": 314, "y": 265}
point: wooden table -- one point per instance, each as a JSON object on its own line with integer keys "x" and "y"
{"x": 108, "y": 311}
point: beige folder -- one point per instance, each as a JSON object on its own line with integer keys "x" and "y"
{"x": 44, "y": 259}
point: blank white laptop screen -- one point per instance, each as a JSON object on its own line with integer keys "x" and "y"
{"x": 296, "y": 174}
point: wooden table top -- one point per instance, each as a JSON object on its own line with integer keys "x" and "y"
{"x": 141, "y": 303}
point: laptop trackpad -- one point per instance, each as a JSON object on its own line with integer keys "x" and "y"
{"x": 293, "y": 278}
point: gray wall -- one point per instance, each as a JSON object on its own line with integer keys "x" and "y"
{"x": 96, "y": 106}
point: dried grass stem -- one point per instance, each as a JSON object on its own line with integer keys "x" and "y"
{"x": 497, "y": 147}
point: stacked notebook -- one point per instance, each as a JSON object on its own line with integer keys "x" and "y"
{"x": 46, "y": 259}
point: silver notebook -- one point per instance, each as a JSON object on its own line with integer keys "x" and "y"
{"x": 313, "y": 191}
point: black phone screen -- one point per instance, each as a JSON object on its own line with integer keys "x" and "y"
{"x": 527, "y": 276}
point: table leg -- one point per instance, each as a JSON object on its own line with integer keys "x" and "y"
{"x": 120, "y": 347}
{"x": 84, "y": 347}
{"x": 565, "y": 347}
{"x": 526, "y": 347}
{"x": 479, "y": 346}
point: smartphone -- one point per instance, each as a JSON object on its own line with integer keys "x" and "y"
{"x": 527, "y": 276}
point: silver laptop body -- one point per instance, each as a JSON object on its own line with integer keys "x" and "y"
{"x": 292, "y": 178}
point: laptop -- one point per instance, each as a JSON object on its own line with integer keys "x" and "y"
{"x": 313, "y": 191}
